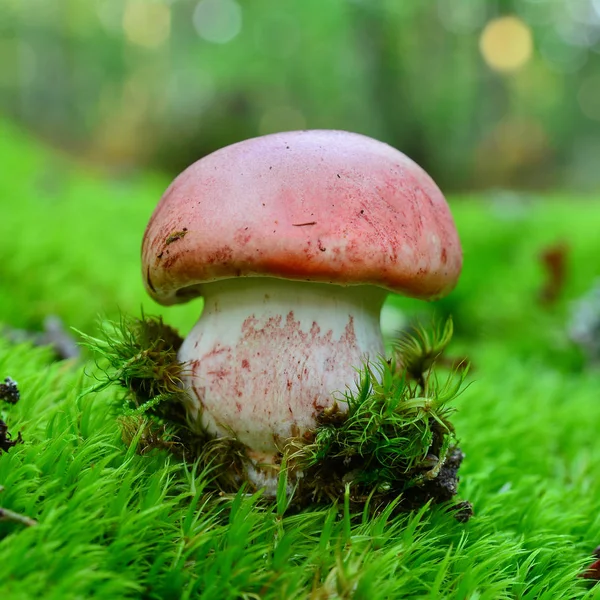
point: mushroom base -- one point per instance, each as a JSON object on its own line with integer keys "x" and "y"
{"x": 266, "y": 356}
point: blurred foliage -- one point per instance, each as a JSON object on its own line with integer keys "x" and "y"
{"x": 481, "y": 93}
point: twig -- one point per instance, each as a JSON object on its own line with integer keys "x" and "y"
{"x": 9, "y": 515}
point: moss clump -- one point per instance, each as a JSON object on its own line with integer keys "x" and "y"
{"x": 140, "y": 356}
{"x": 9, "y": 393}
{"x": 395, "y": 436}
{"x": 391, "y": 436}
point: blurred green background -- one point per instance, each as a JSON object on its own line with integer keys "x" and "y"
{"x": 482, "y": 93}
{"x": 104, "y": 101}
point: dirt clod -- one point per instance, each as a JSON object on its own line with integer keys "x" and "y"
{"x": 9, "y": 392}
{"x": 6, "y": 441}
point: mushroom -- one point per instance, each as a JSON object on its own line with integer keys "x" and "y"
{"x": 293, "y": 240}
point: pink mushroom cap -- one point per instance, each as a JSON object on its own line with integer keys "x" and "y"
{"x": 324, "y": 206}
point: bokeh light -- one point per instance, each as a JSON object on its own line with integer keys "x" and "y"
{"x": 158, "y": 83}
{"x": 584, "y": 11}
{"x": 147, "y": 24}
{"x": 506, "y": 44}
{"x": 218, "y": 21}
{"x": 110, "y": 15}
{"x": 577, "y": 34}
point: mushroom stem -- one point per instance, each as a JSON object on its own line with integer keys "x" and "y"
{"x": 267, "y": 354}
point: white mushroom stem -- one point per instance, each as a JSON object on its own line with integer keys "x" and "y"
{"x": 267, "y": 354}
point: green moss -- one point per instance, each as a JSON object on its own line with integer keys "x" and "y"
{"x": 116, "y": 523}
{"x": 394, "y": 438}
